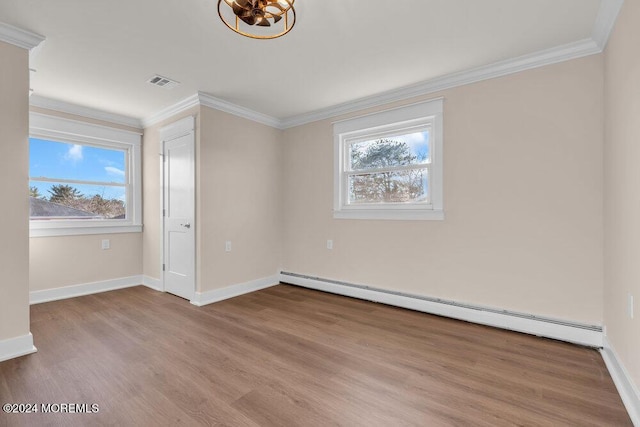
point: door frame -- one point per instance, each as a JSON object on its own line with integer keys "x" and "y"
{"x": 175, "y": 130}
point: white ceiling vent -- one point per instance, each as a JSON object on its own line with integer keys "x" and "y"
{"x": 163, "y": 82}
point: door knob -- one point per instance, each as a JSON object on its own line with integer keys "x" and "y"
{"x": 187, "y": 225}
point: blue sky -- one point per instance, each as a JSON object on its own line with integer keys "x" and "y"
{"x": 77, "y": 162}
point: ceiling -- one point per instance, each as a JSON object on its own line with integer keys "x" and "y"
{"x": 100, "y": 54}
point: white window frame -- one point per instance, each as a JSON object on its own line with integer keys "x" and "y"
{"x": 58, "y": 129}
{"x": 407, "y": 119}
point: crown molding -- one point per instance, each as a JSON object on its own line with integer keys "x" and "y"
{"x": 605, "y": 21}
{"x": 526, "y": 62}
{"x": 222, "y": 105}
{"x": 79, "y": 110}
{"x": 171, "y": 110}
{"x": 604, "y": 24}
{"x": 206, "y": 100}
{"x": 19, "y": 37}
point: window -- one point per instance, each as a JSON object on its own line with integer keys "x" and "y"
{"x": 389, "y": 165}
{"x": 83, "y": 178}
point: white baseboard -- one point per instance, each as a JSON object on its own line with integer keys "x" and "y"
{"x": 16, "y": 347}
{"x": 216, "y": 295}
{"x": 550, "y": 328}
{"x": 36, "y": 297}
{"x": 150, "y": 282}
{"x": 621, "y": 378}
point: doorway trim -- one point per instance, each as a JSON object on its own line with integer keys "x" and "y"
{"x": 169, "y": 132}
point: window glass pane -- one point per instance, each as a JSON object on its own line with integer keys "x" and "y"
{"x": 76, "y": 201}
{"x": 389, "y": 187}
{"x": 74, "y": 161}
{"x": 400, "y": 150}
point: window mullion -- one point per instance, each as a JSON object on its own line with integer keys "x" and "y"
{"x": 75, "y": 181}
{"x": 388, "y": 169}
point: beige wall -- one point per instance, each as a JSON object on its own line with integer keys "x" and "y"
{"x": 239, "y": 199}
{"x": 622, "y": 187}
{"x": 523, "y": 201}
{"x": 51, "y": 258}
{"x": 57, "y": 262}
{"x": 14, "y": 183}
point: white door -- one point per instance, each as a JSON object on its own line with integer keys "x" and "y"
{"x": 178, "y": 208}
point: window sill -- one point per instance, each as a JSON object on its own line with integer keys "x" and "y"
{"x": 79, "y": 231}
{"x": 386, "y": 214}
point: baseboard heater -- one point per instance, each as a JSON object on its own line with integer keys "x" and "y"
{"x": 583, "y": 334}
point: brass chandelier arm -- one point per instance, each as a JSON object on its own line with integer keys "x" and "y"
{"x": 259, "y": 14}
{"x": 278, "y": 5}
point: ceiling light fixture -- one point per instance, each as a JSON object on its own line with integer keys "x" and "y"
{"x": 258, "y": 19}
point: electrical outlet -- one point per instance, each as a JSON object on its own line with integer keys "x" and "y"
{"x": 329, "y": 244}
{"x": 106, "y": 244}
{"x": 227, "y": 246}
{"x": 630, "y": 305}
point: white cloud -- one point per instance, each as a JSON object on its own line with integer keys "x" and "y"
{"x": 418, "y": 142}
{"x": 74, "y": 154}
{"x": 414, "y": 139}
{"x": 114, "y": 171}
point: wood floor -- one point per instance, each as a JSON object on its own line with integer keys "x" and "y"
{"x": 288, "y": 356}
